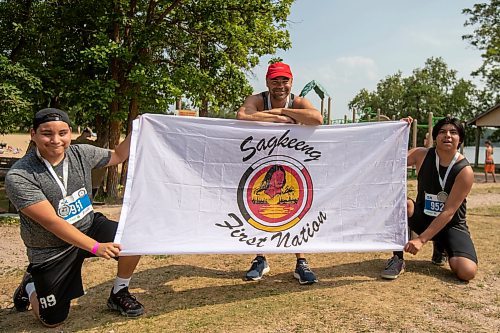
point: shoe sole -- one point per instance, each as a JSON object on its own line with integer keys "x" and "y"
{"x": 265, "y": 271}
{"x": 302, "y": 282}
{"x": 391, "y": 277}
{"x": 18, "y": 290}
{"x": 439, "y": 263}
{"x": 114, "y": 307}
{"x": 18, "y": 308}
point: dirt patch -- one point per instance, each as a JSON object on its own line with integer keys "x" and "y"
{"x": 484, "y": 194}
{"x": 13, "y": 252}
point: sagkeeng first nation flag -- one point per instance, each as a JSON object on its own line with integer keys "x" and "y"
{"x": 201, "y": 185}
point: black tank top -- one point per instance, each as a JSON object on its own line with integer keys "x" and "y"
{"x": 428, "y": 182}
{"x": 266, "y": 102}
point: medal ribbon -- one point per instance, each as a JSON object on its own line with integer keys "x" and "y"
{"x": 62, "y": 186}
{"x": 442, "y": 182}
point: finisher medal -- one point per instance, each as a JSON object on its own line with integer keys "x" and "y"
{"x": 442, "y": 196}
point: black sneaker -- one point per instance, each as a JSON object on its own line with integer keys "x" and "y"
{"x": 303, "y": 273}
{"x": 20, "y": 297}
{"x": 439, "y": 256}
{"x": 394, "y": 268}
{"x": 258, "y": 269}
{"x": 125, "y": 302}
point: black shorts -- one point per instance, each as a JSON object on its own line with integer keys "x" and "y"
{"x": 455, "y": 237}
{"x": 59, "y": 280}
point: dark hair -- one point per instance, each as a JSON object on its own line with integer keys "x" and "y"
{"x": 452, "y": 121}
{"x": 50, "y": 114}
{"x": 267, "y": 178}
{"x": 487, "y": 142}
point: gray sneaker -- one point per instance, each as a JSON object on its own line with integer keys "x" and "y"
{"x": 126, "y": 303}
{"x": 303, "y": 273}
{"x": 439, "y": 256}
{"x": 258, "y": 269}
{"x": 394, "y": 268}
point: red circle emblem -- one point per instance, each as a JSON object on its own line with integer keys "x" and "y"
{"x": 275, "y": 193}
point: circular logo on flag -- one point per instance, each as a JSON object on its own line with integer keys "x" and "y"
{"x": 275, "y": 193}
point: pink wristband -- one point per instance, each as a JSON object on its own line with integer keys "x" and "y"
{"x": 95, "y": 248}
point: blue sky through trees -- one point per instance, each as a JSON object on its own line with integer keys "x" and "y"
{"x": 350, "y": 45}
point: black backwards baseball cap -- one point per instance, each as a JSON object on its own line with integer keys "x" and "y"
{"x": 50, "y": 114}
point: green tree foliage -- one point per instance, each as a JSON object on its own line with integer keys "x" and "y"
{"x": 485, "y": 18}
{"x": 89, "y": 53}
{"x": 434, "y": 88}
{"x": 107, "y": 61}
{"x": 495, "y": 136}
{"x": 220, "y": 41}
{"x": 16, "y": 101}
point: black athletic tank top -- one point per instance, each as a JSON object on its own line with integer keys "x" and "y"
{"x": 428, "y": 182}
{"x": 268, "y": 107}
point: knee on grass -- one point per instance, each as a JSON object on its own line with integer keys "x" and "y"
{"x": 465, "y": 269}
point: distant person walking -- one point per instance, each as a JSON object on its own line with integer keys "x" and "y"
{"x": 489, "y": 164}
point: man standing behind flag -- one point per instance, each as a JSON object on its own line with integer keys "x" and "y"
{"x": 279, "y": 105}
{"x": 445, "y": 179}
{"x": 50, "y": 187}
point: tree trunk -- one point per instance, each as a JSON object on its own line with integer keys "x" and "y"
{"x": 132, "y": 114}
{"x": 204, "y": 108}
{"x": 18, "y": 49}
{"x": 115, "y": 124}
{"x": 204, "y": 66}
{"x": 114, "y": 139}
{"x": 101, "y": 126}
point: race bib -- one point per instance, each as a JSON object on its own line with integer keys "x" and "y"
{"x": 75, "y": 206}
{"x": 433, "y": 206}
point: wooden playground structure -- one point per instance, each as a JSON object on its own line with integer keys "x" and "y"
{"x": 322, "y": 93}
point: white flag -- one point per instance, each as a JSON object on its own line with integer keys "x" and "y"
{"x": 201, "y": 185}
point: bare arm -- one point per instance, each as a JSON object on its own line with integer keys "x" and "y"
{"x": 249, "y": 111}
{"x": 121, "y": 152}
{"x": 459, "y": 191}
{"x": 303, "y": 112}
{"x": 416, "y": 157}
{"x": 43, "y": 213}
